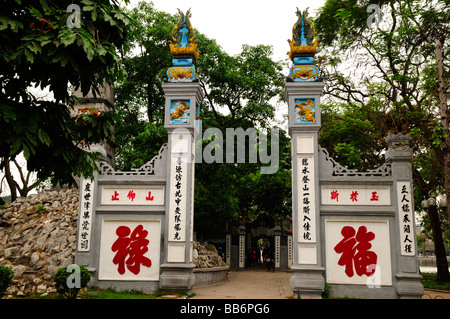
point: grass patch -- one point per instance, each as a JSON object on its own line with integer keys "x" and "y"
{"x": 429, "y": 280}
{"x": 97, "y": 293}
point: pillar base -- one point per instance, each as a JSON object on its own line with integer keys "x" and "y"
{"x": 408, "y": 286}
{"x": 177, "y": 277}
{"x": 307, "y": 282}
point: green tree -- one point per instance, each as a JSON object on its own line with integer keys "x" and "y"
{"x": 392, "y": 86}
{"x": 243, "y": 85}
{"x": 240, "y": 91}
{"x": 140, "y": 99}
{"x": 147, "y": 64}
{"x": 41, "y": 48}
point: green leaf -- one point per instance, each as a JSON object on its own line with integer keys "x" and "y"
{"x": 43, "y": 137}
{"x": 31, "y": 138}
{"x": 67, "y": 38}
{"x": 34, "y": 47}
{"x": 29, "y": 56}
{"x": 94, "y": 15}
{"x": 15, "y": 24}
{"x": 101, "y": 50}
{"x": 7, "y": 113}
{"x": 45, "y": 42}
{"x": 26, "y": 152}
{"x": 44, "y": 5}
{"x": 15, "y": 147}
{"x": 90, "y": 54}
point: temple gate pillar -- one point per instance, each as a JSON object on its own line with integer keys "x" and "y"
{"x": 302, "y": 92}
{"x": 183, "y": 96}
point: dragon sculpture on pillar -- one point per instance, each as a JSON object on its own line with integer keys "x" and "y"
{"x": 184, "y": 40}
{"x": 183, "y": 47}
{"x": 303, "y": 48}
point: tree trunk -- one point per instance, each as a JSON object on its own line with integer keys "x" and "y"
{"x": 443, "y": 274}
{"x": 10, "y": 179}
{"x": 25, "y": 180}
{"x": 444, "y": 116}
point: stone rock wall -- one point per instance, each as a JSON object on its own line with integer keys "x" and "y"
{"x": 38, "y": 236}
{"x": 205, "y": 256}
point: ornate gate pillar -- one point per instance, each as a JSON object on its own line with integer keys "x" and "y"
{"x": 302, "y": 92}
{"x": 183, "y": 95}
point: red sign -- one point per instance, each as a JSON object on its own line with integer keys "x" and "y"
{"x": 134, "y": 247}
{"x": 356, "y": 252}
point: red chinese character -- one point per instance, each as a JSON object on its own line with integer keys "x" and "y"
{"x": 355, "y": 250}
{"x": 354, "y": 196}
{"x": 335, "y": 195}
{"x": 374, "y": 196}
{"x": 131, "y": 195}
{"x": 149, "y": 197}
{"x": 134, "y": 246}
{"x": 115, "y": 196}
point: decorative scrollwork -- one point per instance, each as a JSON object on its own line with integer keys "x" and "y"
{"x": 339, "y": 170}
{"x": 146, "y": 169}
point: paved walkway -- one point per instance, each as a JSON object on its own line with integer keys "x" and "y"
{"x": 249, "y": 284}
{"x": 261, "y": 284}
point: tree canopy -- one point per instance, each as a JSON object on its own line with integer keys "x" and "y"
{"x": 45, "y": 46}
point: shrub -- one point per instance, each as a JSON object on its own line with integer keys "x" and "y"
{"x": 6, "y": 276}
{"x": 61, "y": 281}
{"x": 39, "y": 207}
{"x": 326, "y": 292}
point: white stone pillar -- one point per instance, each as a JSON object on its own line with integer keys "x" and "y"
{"x": 303, "y": 98}
{"x": 182, "y": 103}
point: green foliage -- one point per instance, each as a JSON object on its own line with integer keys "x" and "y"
{"x": 326, "y": 291}
{"x": 39, "y": 49}
{"x": 396, "y": 90}
{"x": 226, "y": 193}
{"x": 96, "y": 293}
{"x": 341, "y": 21}
{"x": 39, "y": 207}
{"x": 142, "y": 147}
{"x": 61, "y": 277}
{"x": 243, "y": 84}
{"x": 6, "y": 276}
{"x": 146, "y": 70}
{"x": 427, "y": 231}
{"x": 351, "y": 135}
{"x": 429, "y": 281}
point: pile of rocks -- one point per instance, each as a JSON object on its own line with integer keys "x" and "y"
{"x": 37, "y": 237}
{"x": 206, "y": 256}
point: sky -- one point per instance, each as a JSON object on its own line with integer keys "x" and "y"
{"x": 234, "y": 23}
